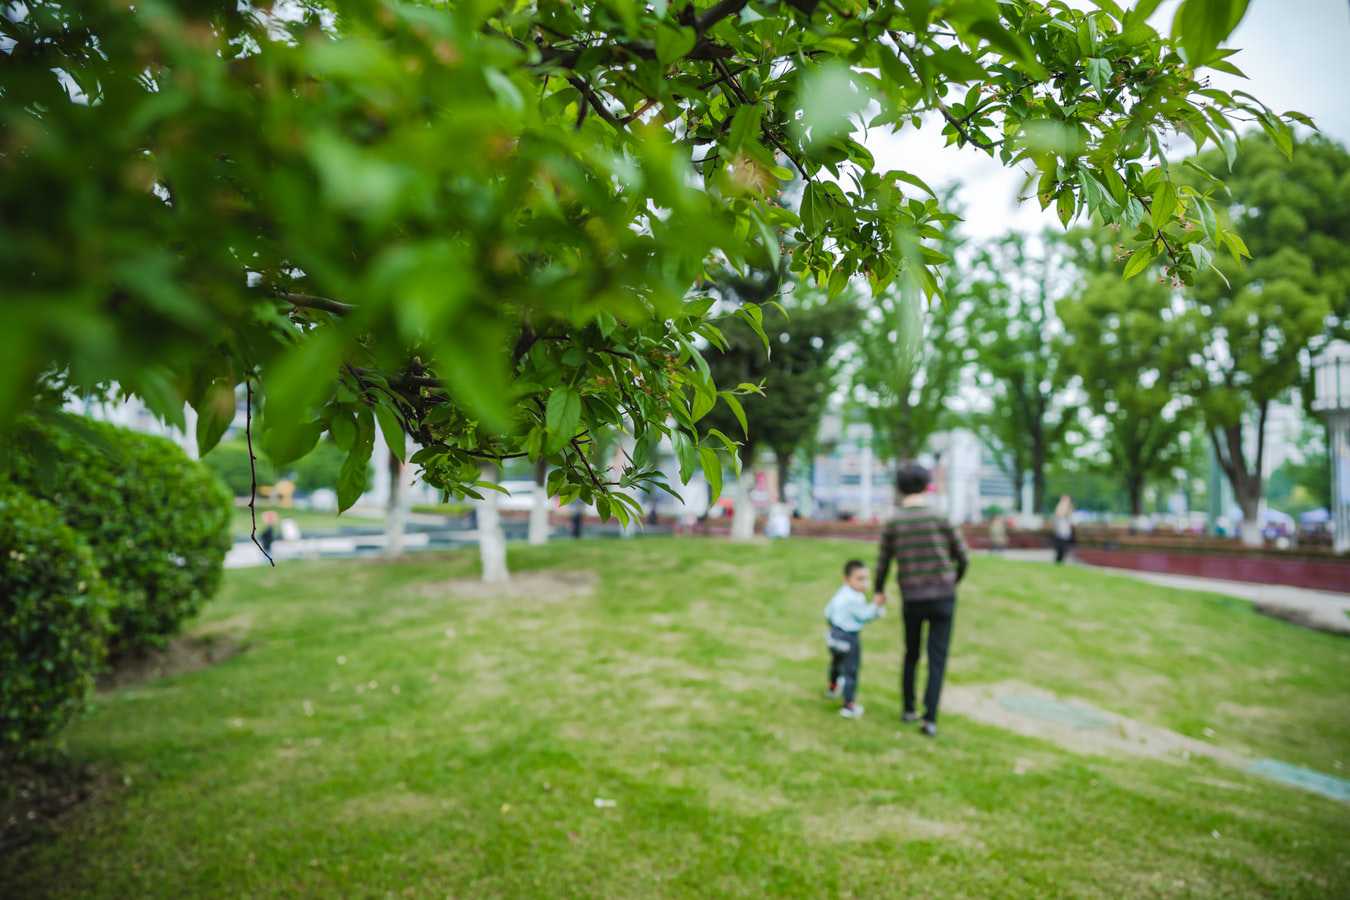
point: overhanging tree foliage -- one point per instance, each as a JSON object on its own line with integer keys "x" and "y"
{"x": 490, "y": 227}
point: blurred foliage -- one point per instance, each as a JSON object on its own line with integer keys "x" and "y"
{"x": 492, "y": 226}
{"x": 1300, "y": 485}
{"x": 157, "y": 522}
{"x": 53, "y": 620}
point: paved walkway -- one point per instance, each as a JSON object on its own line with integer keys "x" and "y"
{"x": 1323, "y": 610}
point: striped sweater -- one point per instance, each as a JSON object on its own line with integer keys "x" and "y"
{"x": 929, "y": 555}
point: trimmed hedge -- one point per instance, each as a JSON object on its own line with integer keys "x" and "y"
{"x": 157, "y": 522}
{"x": 53, "y": 620}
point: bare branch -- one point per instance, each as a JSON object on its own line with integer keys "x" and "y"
{"x": 309, "y": 301}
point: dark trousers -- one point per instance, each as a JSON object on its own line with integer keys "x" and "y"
{"x": 1062, "y": 548}
{"x": 938, "y": 614}
{"x": 845, "y": 660}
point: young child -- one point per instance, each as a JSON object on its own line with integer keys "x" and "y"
{"x": 847, "y": 612}
{"x": 930, "y": 558}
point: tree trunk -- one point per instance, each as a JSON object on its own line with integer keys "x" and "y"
{"x": 1134, "y": 484}
{"x": 784, "y": 462}
{"x": 1249, "y": 500}
{"x": 1038, "y": 480}
{"x": 491, "y": 540}
{"x": 743, "y": 520}
{"x": 395, "y": 510}
{"x": 539, "y": 525}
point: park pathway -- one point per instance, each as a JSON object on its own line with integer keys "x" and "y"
{"x": 1322, "y": 610}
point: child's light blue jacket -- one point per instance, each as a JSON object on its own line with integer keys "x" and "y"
{"x": 850, "y": 610}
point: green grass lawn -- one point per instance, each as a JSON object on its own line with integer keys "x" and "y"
{"x": 310, "y": 521}
{"x": 381, "y": 735}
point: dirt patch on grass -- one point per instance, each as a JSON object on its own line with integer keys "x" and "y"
{"x": 187, "y": 653}
{"x": 393, "y": 805}
{"x": 528, "y": 587}
{"x": 871, "y": 823}
{"x": 1075, "y": 725}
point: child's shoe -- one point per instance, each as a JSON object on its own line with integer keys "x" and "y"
{"x": 910, "y": 716}
{"x": 928, "y": 729}
{"x": 854, "y": 711}
{"x": 834, "y": 691}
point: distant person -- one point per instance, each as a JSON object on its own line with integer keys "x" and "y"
{"x": 269, "y": 532}
{"x": 847, "y": 612}
{"x": 1063, "y": 528}
{"x": 998, "y": 535}
{"x": 930, "y": 559}
{"x": 578, "y": 514}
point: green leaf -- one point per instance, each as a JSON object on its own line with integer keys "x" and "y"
{"x": 685, "y": 454}
{"x": 215, "y": 412}
{"x": 1164, "y": 204}
{"x": 561, "y": 417}
{"x": 812, "y": 215}
{"x": 737, "y": 410}
{"x": 1202, "y": 25}
{"x": 1280, "y": 133}
{"x": 356, "y": 469}
{"x": 744, "y": 125}
{"x": 1064, "y": 205}
{"x": 1139, "y": 261}
{"x": 286, "y": 445}
{"x": 1099, "y": 73}
{"x": 392, "y": 431}
{"x": 915, "y": 180}
{"x": 673, "y": 42}
{"x": 712, "y": 470}
{"x": 1236, "y": 246}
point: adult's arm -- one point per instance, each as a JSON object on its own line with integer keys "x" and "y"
{"x": 885, "y": 553}
{"x": 956, "y": 546}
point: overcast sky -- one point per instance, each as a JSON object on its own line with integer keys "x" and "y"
{"x": 1296, "y": 54}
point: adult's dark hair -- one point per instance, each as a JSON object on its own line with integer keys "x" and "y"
{"x": 912, "y": 478}
{"x": 852, "y": 566}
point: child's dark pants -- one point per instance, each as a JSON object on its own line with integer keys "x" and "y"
{"x": 845, "y": 659}
{"x": 938, "y": 614}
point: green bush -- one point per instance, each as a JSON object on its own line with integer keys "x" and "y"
{"x": 53, "y": 620}
{"x": 157, "y": 522}
{"x": 229, "y": 460}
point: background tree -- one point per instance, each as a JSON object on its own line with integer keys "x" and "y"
{"x": 490, "y": 226}
{"x": 906, "y": 365}
{"x": 1303, "y": 484}
{"x": 800, "y": 374}
{"x": 1130, "y": 353}
{"x": 1255, "y": 323}
{"x": 1014, "y": 340}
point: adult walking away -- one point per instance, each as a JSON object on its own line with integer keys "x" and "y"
{"x": 1063, "y": 528}
{"x": 930, "y": 559}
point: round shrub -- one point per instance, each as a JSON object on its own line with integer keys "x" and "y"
{"x": 53, "y": 620}
{"x": 157, "y": 522}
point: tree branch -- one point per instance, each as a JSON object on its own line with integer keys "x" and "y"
{"x": 309, "y": 301}
{"x": 588, "y": 93}
{"x": 717, "y": 13}
{"x": 252, "y": 468}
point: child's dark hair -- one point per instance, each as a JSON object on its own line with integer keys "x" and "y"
{"x": 852, "y": 566}
{"x": 912, "y": 478}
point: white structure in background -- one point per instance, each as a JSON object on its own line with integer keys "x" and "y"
{"x": 1331, "y": 392}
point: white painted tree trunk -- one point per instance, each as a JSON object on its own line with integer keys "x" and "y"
{"x": 743, "y": 520}
{"x": 396, "y": 508}
{"x": 1250, "y": 531}
{"x": 539, "y": 525}
{"x": 491, "y": 539}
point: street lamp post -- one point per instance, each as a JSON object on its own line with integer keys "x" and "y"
{"x": 1331, "y": 398}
